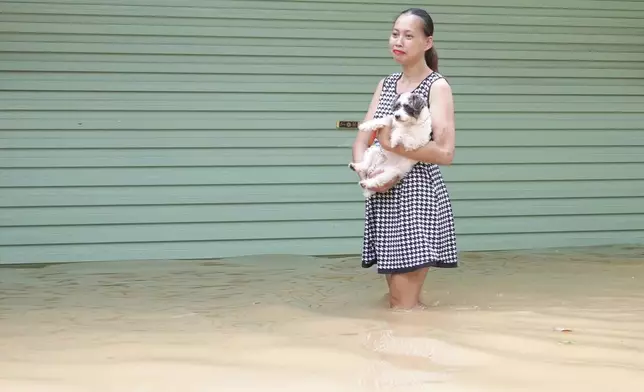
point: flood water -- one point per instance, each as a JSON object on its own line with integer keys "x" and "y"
{"x": 552, "y": 321}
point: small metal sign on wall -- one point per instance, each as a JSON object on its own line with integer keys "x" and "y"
{"x": 347, "y": 124}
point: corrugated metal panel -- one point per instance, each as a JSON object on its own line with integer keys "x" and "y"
{"x": 147, "y": 129}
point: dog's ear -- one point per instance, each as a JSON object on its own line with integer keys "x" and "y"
{"x": 417, "y": 102}
{"x": 396, "y": 103}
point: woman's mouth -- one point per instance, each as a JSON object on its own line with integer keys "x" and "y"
{"x": 398, "y": 52}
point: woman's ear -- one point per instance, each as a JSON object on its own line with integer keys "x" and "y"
{"x": 429, "y": 43}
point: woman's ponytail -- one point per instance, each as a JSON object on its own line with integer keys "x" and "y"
{"x": 431, "y": 58}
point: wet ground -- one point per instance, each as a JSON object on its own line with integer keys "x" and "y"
{"x": 561, "y": 320}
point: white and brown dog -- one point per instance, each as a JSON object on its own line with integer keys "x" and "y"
{"x": 410, "y": 125}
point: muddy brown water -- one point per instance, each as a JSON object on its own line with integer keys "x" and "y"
{"x": 558, "y": 320}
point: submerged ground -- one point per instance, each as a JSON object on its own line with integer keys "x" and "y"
{"x": 561, "y": 320}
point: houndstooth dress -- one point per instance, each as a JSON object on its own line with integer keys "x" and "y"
{"x": 410, "y": 226}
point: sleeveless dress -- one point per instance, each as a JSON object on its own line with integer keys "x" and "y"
{"x": 410, "y": 226}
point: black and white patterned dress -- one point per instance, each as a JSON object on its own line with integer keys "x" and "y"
{"x": 411, "y": 225}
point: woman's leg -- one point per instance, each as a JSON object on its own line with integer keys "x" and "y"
{"x": 388, "y": 295}
{"x": 405, "y": 289}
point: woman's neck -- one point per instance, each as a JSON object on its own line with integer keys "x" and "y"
{"x": 414, "y": 73}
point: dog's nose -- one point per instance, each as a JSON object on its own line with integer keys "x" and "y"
{"x": 397, "y": 116}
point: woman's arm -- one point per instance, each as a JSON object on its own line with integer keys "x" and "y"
{"x": 361, "y": 143}
{"x": 441, "y": 150}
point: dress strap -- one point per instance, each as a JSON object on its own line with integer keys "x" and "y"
{"x": 390, "y": 82}
{"x": 427, "y": 83}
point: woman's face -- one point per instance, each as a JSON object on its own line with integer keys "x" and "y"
{"x": 408, "y": 42}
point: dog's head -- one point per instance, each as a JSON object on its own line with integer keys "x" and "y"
{"x": 408, "y": 107}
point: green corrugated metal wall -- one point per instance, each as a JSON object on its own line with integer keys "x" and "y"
{"x": 148, "y": 129}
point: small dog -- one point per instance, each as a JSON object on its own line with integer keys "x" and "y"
{"x": 411, "y": 126}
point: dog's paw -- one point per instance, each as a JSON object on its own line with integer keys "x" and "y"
{"x": 357, "y": 167}
{"x": 368, "y": 183}
{"x": 367, "y": 193}
{"x": 373, "y": 125}
{"x": 378, "y": 126}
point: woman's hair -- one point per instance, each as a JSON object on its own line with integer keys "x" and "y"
{"x": 431, "y": 56}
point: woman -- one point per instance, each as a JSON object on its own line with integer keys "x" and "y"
{"x": 409, "y": 224}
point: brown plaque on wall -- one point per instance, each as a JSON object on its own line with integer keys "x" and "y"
{"x": 346, "y": 124}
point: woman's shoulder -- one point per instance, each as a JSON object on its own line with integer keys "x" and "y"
{"x": 390, "y": 80}
{"x": 394, "y": 75}
{"x": 435, "y": 76}
{"x": 434, "y": 81}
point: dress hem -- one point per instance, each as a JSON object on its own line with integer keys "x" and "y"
{"x": 433, "y": 264}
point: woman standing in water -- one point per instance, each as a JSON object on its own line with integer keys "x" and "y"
{"x": 409, "y": 224}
